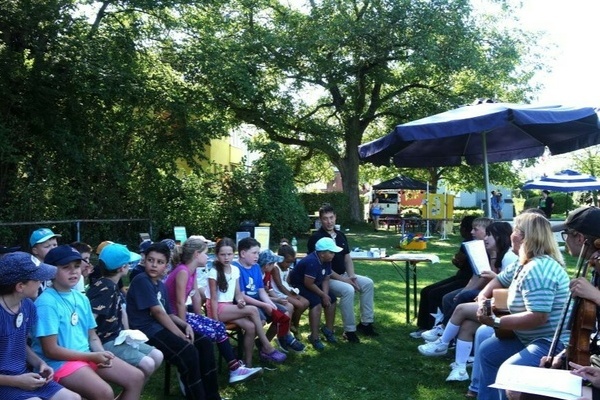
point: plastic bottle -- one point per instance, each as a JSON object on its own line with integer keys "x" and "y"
{"x": 295, "y": 244}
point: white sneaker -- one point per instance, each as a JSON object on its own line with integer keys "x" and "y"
{"x": 458, "y": 373}
{"x": 436, "y": 348}
{"x": 433, "y": 334}
{"x": 243, "y": 374}
{"x": 416, "y": 334}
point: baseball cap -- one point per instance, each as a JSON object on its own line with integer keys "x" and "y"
{"x": 41, "y": 235}
{"x": 20, "y": 266}
{"x": 116, "y": 255}
{"x": 208, "y": 242}
{"x": 327, "y": 244}
{"x": 62, "y": 255}
{"x": 267, "y": 257}
{"x": 171, "y": 244}
{"x": 585, "y": 220}
{"x": 144, "y": 245}
{"x": 102, "y": 246}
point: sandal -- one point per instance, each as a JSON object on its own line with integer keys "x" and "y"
{"x": 471, "y": 394}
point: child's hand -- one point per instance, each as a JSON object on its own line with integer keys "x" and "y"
{"x": 102, "y": 358}
{"x": 30, "y": 381}
{"x": 46, "y": 372}
{"x": 241, "y": 303}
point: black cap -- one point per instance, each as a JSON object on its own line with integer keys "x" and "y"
{"x": 585, "y": 220}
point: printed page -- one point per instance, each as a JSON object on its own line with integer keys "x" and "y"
{"x": 478, "y": 256}
{"x": 558, "y": 383}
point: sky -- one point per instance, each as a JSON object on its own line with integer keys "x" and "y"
{"x": 573, "y": 27}
{"x": 571, "y": 30}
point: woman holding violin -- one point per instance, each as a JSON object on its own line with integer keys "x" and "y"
{"x": 581, "y": 233}
{"x": 538, "y": 288}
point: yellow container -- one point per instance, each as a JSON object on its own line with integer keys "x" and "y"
{"x": 415, "y": 245}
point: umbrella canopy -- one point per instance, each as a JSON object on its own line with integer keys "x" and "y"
{"x": 401, "y": 182}
{"x": 485, "y": 133}
{"x": 564, "y": 181}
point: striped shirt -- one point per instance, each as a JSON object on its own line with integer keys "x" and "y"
{"x": 541, "y": 285}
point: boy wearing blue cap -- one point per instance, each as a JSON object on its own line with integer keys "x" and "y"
{"x": 267, "y": 260}
{"x": 311, "y": 276}
{"x": 23, "y": 374}
{"x": 42, "y": 241}
{"x": 106, "y": 301}
{"x": 66, "y": 339}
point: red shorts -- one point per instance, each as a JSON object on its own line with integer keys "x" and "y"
{"x": 71, "y": 366}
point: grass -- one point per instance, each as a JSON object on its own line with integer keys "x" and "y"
{"x": 388, "y": 366}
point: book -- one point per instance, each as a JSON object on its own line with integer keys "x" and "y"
{"x": 478, "y": 256}
{"x": 556, "y": 383}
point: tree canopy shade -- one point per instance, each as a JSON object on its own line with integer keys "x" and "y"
{"x": 324, "y": 76}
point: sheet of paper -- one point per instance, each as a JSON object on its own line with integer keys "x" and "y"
{"x": 557, "y": 383}
{"x": 478, "y": 256}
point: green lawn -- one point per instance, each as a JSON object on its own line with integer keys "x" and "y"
{"x": 386, "y": 367}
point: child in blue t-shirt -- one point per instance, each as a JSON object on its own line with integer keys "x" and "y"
{"x": 23, "y": 374}
{"x": 252, "y": 288}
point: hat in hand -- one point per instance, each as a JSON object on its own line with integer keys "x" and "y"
{"x": 20, "y": 266}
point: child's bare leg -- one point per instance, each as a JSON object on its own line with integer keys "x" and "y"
{"x": 330, "y": 316}
{"x": 314, "y": 319}
{"x": 86, "y": 382}
{"x": 130, "y": 378}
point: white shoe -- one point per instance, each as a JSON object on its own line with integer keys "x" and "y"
{"x": 433, "y": 334}
{"x": 458, "y": 373}
{"x": 416, "y": 334}
{"x": 436, "y": 348}
{"x": 243, "y": 374}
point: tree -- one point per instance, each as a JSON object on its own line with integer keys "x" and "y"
{"x": 587, "y": 161}
{"x": 326, "y": 76}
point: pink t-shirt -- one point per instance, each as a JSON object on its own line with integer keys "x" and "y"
{"x": 170, "y": 283}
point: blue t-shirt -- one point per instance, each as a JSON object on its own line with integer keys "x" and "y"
{"x": 13, "y": 340}
{"x": 141, "y": 296}
{"x": 310, "y": 266}
{"x": 55, "y": 316}
{"x": 250, "y": 280}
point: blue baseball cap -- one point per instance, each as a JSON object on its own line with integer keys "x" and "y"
{"x": 20, "y": 266}
{"x": 62, "y": 255}
{"x": 327, "y": 244}
{"x": 41, "y": 235}
{"x": 116, "y": 255}
{"x": 267, "y": 257}
{"x": 144, "y": 245}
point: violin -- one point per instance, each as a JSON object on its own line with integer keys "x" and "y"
{"x": 581, "y": 322}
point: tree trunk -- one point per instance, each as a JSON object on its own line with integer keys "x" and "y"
{"x": 348, "y": 167}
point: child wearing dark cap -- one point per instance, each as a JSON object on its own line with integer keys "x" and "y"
{"x": 107, "y": 307}
{"x": 65, "y": 337}
{"x": 23, "y": 375}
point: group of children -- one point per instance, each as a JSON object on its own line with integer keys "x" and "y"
{"x": 77, "y": 343}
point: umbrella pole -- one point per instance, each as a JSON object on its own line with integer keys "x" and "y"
{"x": 427, "y": 233}
{"x": 445, "y": 221}
{"x": 486, "y": 172}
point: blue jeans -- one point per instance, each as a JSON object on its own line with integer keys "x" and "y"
{"x": 510, "y": 351}
{"x": 483, "y": 332}
{"x": 449, "y": 302}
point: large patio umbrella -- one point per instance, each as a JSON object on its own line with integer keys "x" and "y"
{"x": 564, "y": 181}
{"x": 483, "y": 134}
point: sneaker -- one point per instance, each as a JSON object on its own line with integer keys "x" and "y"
{"x": 436, "y": 348}
{"x": 351, "y": 337}
{"x": 276, "y": 356}
{"x": 366, "y": 329}
{"x": 316, "y": 343}
{"x": 470, "y": 361}
{"x": 433, "y": 334}
{"x": 243, "y": 374}
{"x": 416, "y": 334}
{"x": 458, "y": 373}
{"x": 329, "y": 335}
{"x": 281, "y": 346}
{"x": 290, "y": 343}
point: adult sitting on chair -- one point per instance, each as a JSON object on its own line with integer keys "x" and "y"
{"x": 344, "y": 280}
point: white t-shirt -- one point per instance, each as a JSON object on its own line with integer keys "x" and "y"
{"x": 283, "y": 276}
{"x": 509, "y": 258}
{"x": 232, "y": 278}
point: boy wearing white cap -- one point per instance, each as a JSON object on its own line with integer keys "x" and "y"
{"x": 312, "y": 276}
{"x": 42, "y": 241}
